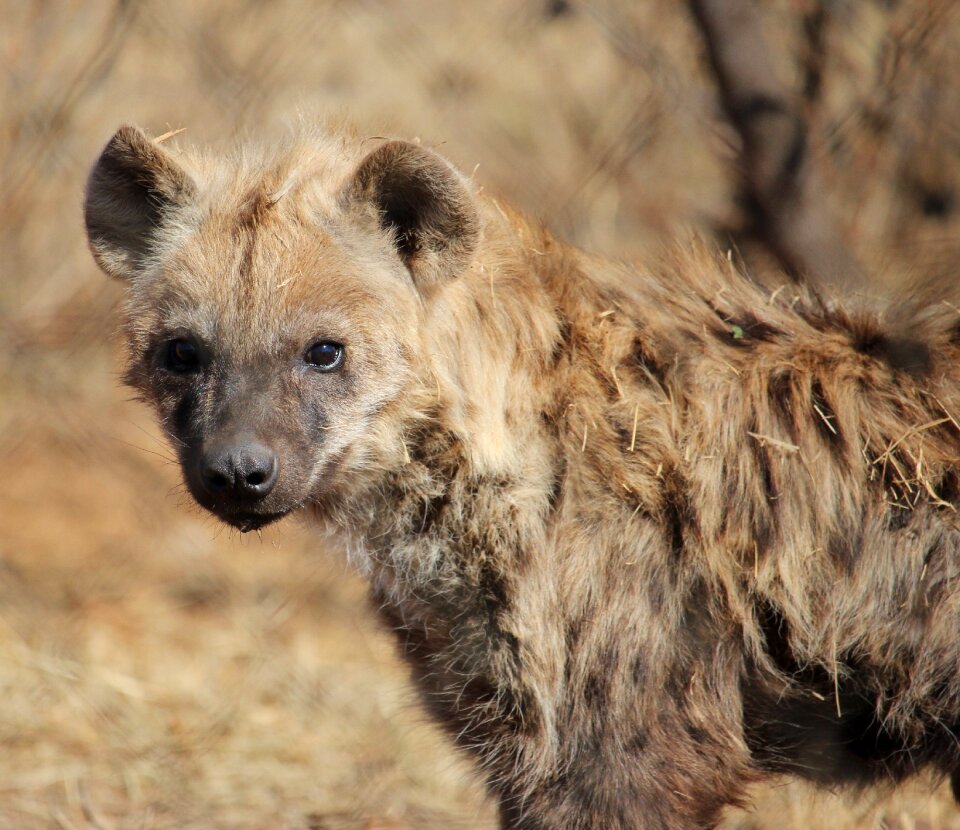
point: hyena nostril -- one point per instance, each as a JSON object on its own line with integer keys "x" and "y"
{"x": 258, "y": 466}
{"x": 245, "y": 471}
{"x": 218, "y": 481}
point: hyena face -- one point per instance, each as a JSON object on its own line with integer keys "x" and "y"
{"x": 273, "y": 310}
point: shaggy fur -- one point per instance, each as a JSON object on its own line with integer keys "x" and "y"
{"x": 644, "y": 534}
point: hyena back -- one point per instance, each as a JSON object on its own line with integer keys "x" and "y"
{"x": 644, "y": 535}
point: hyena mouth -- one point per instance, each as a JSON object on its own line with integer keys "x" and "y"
{"x": 246, "y": 522}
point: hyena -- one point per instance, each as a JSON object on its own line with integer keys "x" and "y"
{"x": 644, "y": 534}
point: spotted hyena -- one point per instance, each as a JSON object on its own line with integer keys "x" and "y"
{"x": 645, "y": 534}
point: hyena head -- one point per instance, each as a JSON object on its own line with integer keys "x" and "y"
{"x": 273, "y": 304}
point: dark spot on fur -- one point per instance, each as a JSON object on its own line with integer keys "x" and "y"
{"x": 674, "y": 509}
{"x": 527, "y": 712}
{"x": 516, "y": 708}
{"x": 557, "y": 8}
{"x": 905, "y": 354}
{"x": 626, "y": 438}
{"x": 254, "y": 208}
{"x": 776, "y": 635}
{"x": 571, "y": 641}
{"x": 571, "y": 636}
{"x": 761, "y": 457}
{"x": 746, "y": 330}
{"x": 428, "y": 513}
{"x": 516, "y": 815}
{"x": 866, "y": 736}
{"x": 909, "y": 355}
{"x": 562, "y": 345}
{"x": 693, "y": 341}
{"x": 610, "y": 388}
{"x": 595, "y": 691}
{"x": 742, "y": 331}
{"x": 948, "y": 488}
{"x": 705, "y": 616}
{"x": 898, "y": 516}
{"x": 492, "y": 591}
{"x": 756, "y": 329}
{"x": 697, "y": 734}
{"x": 183, "y": 414}
{"x": 657, "y": 593}
{"x": 761, "y": 524}
{"x": 607, "y": 661}
{"x": 432, "y": 446}
{"x": 475, "y": 692}
{"x": 780, "y": 392}
{"x": 557, "y": 483}
{"x": 637, "y": 742}
{"x": 845, "y": 547}
{"x": 735, "y": 336}
{"x": 315, "y": 420}
{"x": 651, "y": 366}
{"x": 638, "y": 670}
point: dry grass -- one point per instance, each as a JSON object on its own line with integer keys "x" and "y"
{"x": 157, "y": 671}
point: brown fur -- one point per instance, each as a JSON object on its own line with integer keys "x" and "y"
{"x": 645, "y": 535}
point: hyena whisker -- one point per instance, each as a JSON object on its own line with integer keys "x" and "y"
{"x": 167, "y": 459}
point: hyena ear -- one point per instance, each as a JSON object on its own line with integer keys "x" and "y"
{"x": 427, "y": 206}
{"x": 133, "y": 186}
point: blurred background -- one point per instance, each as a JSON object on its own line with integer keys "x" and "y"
{"x": 160, "y": 671}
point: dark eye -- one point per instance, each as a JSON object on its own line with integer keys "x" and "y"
{"x": 325, "y": 355}
{"x": 182, "y": 356}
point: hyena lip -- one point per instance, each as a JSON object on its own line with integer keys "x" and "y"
{"x": 245, "y": 522}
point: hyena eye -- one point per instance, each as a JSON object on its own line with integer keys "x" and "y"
{"x": 182, "y": 356}
{"x": 326, "y": 355}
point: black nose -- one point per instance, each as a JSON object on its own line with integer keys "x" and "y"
{"x": 244, "y": 471}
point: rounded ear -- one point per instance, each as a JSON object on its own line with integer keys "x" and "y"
{"x": 424, "y": 202}
{"x": 132, "y": 188}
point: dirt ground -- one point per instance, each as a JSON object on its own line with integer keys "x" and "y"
{"x": 160, "y": 671}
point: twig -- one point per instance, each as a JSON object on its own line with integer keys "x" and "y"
{"x": 766, "y": 439}
{"x": 169, "y": 134}
{"x": 887, "y": 453}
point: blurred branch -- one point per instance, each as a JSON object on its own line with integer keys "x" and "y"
{"x": 781, "y": 188}
{"x": 51, "y": 124}
{"x": 815, "y": 54}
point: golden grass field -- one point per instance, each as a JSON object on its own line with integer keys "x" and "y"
{"x": 160, "y": 671}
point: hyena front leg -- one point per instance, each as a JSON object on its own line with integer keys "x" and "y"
{"x": 674, "y": 774}
{"x": 613, "y": 805}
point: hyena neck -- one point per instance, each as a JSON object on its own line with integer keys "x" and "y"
{"x": 476, "y": 466}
